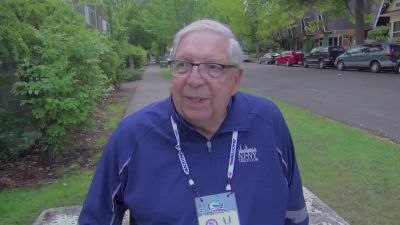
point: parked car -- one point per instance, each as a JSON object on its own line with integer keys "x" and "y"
{"x": 246, "y": 57}
{"x": 323, "y": 56}
{"x": 375, "y": 57}
{"x": 290, "y": 58}
{"x": 268, "y": 58}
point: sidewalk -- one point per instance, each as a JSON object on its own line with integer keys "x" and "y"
{"x": 152, "y": 88}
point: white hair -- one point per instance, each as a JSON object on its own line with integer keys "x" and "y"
{"x": 235, "y": 53}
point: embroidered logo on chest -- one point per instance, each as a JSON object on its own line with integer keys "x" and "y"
{"x": 247, "y": 154}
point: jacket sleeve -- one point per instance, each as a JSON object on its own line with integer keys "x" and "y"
{"x": 296, "y": 212}
{"x": 104, "y": 201}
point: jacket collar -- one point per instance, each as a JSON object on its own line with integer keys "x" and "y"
{"x": 237, "y": 118}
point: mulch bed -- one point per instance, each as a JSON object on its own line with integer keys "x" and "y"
{"x": 32, "y": 169}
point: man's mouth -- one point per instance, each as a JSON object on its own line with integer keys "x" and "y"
{"x": 196, "y": 99}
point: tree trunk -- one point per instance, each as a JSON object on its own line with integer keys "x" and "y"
{"x": 359, "y": 16}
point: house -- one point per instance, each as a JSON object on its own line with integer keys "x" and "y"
{"x": 390, "y": 15}
{"x": 94, "y": 16}
{"x": 338, "y": 31}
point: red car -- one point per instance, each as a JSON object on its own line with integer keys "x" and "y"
{"x": 290, "y": 58}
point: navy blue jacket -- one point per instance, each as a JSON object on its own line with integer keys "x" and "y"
{"x": 140, "y": 170}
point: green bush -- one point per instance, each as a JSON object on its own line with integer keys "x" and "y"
{"x": 379, "y": 34}
{"x": 63, "y": 82}
{"x": 112, "y": 62}
{"x": 132, "y": 75}
{"x": 139, "y": 56}
{"x": 15, "y": 135}
{"x": 22, "y": 19}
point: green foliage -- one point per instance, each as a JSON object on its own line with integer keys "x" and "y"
{"x": 139, "y": 56}
{"x": 63, "y": 82}
{"x": 13, "y": 138}
{"x": 135, "y": 74}
{"x": 112, "y": 61}
{"x": 20, "y": 21}
{"x": 314, "y": 26}
{"x": 269, "y": 45}
{"x": 379, "y": 34}
{"x": 166, "y": 73}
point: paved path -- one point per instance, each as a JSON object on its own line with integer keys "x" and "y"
{"x": 152, "y": 88}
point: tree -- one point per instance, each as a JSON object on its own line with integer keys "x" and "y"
{"x": 337, "y": 8}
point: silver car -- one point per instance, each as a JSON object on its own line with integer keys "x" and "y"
{"x": 375, "y": 57}
{"x": 268, "y": 58}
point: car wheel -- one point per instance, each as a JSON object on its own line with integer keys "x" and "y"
{"x": 321, "y": 64}
{"x": 340, "y": 65}
{"x": 288, "y": 63}
{"x": 375, "y": 67}
{"x": 305, "y": 64}
{"x": 276, "y": 63}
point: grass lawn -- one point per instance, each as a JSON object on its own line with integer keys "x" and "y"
{"x": 355, "y": 173}
{"x": 166, "y": 73}
{"x": 23, "y": 206}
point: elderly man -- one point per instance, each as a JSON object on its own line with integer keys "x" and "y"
{"x": 207, "y": 155}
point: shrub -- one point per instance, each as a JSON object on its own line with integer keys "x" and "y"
{"x": 132, "y": 75}
{"x": 379, "y": 34}
{"x": 63, "y": 83}
{"x": 14, "y": 136}
{"x": 112, "y": 62}
{"x": 139, "y": 56}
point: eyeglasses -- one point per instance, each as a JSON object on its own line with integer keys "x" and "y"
{"x": 181, "y": 68}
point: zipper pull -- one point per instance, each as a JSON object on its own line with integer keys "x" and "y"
{"x": 209, "y": 146}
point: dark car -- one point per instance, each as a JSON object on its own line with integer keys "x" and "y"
{"x": 375, "y": 57}
{"x": 268, "y": 58}
{"x": 290, "y": 58}
{"x": 323, "y": 56}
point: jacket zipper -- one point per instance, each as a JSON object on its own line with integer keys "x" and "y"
{"x": 209, "y": 146}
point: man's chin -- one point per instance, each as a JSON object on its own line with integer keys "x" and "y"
{"x": 195, "y": 117}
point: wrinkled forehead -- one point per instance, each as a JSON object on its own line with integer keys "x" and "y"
{"x": 203, "y": 45}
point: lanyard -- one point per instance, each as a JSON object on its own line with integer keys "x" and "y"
{"x": 185, "y": 166}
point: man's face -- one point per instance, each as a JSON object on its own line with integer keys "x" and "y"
{"x": 203, "y": 102}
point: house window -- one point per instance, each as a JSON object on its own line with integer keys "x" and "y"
{"x": 90, "y": 16}
{"x": 336, "y": 41}
{"x": 396, "y": 29}
{"x": 317, "y": 42}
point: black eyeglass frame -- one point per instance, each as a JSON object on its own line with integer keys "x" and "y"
{"x": 223, "y": 66}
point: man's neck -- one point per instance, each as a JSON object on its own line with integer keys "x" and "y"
{"x": 210, "y": 128}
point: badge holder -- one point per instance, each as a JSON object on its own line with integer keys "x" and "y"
{"x": 219, "y": 209}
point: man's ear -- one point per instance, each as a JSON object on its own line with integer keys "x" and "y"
{"x": 237, "y": 77}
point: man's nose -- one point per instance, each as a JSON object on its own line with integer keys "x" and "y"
{"x": 194, "y": 77}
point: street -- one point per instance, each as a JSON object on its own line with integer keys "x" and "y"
{"x": 359, "y": 98}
